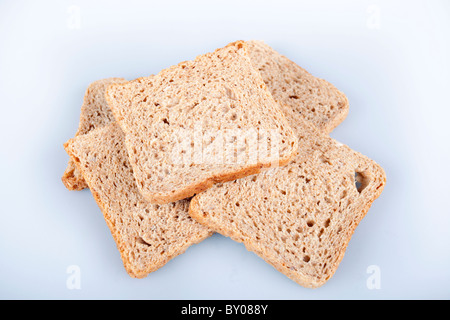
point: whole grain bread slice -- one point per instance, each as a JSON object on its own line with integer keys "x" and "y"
{"x": 172, "y": 120}
{"x": 299, "y": 93}
{"x": 147, "y": 235}
{"x": 299, "y": 217}
{"x": 95, "y": 113}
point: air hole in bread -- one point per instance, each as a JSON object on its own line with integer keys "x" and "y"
{"x": 140, "y": 240}
{"x": 76, "y": 159}
{"x": 361, "y": 181}
{"x": 325, "y": 160}
{"x": 321, "y": 233}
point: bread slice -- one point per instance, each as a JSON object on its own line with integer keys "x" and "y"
{"x": 300, "y": 217}
{"x": 172, "y": 119}
{"x": 147, "y": 235}
{"x": 95, "y": 113}
{"x": 298, "y": 92}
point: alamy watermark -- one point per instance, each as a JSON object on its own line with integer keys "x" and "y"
{"x": 73, "y": 281}
{"x": 374, "y": 279}
{"x": 373, "y": 21}
{"x": 74, "y": 17}
{"x": 225, "y": 146}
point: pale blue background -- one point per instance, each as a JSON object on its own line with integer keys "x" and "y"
{"x": 391, "y": 58}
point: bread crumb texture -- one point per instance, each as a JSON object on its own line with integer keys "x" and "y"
{"x": 218, "y": 92}
{"x": 95, "y": 113}
{"x": 147, "y": 235}
{"x": 299, "y": 217}
{"x": 299, "y": 93}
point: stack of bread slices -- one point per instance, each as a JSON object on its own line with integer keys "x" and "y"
{"x": 234, "y": 142}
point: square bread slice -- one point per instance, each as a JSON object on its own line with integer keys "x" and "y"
{"x": 95, "y": 113}
{"x": 299, "y": 217}
{"x": 299, "y": 93}
{"x": 200, "y": 122}
{"x": 147, "y": 235}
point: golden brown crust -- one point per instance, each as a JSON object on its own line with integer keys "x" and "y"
{"x": 120, "y": 234}
{"x": 300, "y": 93}
{"x": 94, "y": 113}
{"x": 304, "y": 281}
{"x": 132, "y": 103}
{"x": 113, "y": 230}
{"x": 204, "y": 185}
{"x": 301, "y": 217}
{"x": 301, "y": 279}
{"x": 72, "y": 179}
{"x": 339, "y": 117}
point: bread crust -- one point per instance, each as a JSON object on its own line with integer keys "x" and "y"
{"x": 118, "y": 98}
{"x": 91, "y": 116}
{"x": 132, "y": 268}
{"x": 247, "y": 221}
{"x": 303, "y": 95}
{"x": 208, "y": 183}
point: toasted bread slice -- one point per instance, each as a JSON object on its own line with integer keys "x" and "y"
{"x": 95, "y": 113}
{"x": 147, "y": 235}
{"x": 300, "y": 94}
{"x": 299, "y": 217}
{"x": 218, "y": 97}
